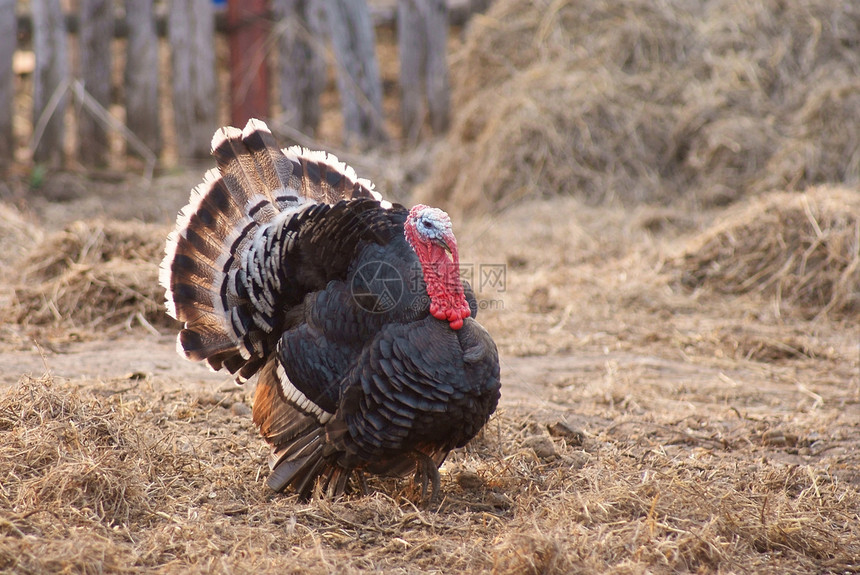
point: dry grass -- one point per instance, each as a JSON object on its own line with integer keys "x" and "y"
{"x": 118, "y": 478}
{"x": 17, "y": 233}
{"x": 94, "y": 274}
{"x": 89, "y": 478}
{"x": 803, "y": 251}
{"x": 700, "y": 102}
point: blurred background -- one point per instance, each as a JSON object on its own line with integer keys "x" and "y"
{"x": 98, "y": 83}
{"x": 662, "y": 114}
{"x": 623, "y": 101}
{"x": 688, "y": 131}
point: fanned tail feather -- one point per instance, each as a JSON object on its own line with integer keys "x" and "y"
{"x": 255, "y": 185}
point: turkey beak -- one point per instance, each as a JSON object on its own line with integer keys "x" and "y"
{"x": 449, "y": 244}
{"x": 444, "y": 245}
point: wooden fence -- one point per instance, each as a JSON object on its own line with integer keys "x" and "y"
{"x": 275, "y": 47}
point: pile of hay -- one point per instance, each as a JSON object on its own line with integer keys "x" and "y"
{"x": 803, "y": 250}
{"x": 93, "y": 274}
{"x": 74, "y": 468}
{"x": 141, "y": 476}
{"x": 640, "y": 101}
{"x": 100, "y": 480}
{"x": 116, "y": 478}
{"x": 17, "y": 233}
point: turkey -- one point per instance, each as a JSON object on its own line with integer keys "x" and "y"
{"x": 350, "y": 311}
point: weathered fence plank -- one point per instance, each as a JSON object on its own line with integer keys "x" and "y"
{"x": 432, "y": 28}
{"x": 422, "y": 36}
{"x": 50, "y": 80}
{"x": 95, "y": 37}
{"x": 249, "y": 25}
{"x": 191, "y": 33}
{"x": 301, "y": 30}
{"x": 438, "y": 86}
{"x": 459, "y": 12}
{"x": 359, "y": 84}
{"x": 7, "y": 85}
{"x": 301, "y": 61}
{"x": 411, "y": 48}
{"x": 141, "y": 74}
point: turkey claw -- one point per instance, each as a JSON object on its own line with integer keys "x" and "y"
{"x": 426, "y": 474}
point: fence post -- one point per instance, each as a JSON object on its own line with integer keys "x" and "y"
{"x": 50, "y": 80}
{"x": 141, "y": 74}
{"x": 8, "y": 32}
{"x": 191, "y": 33}
{"x": 301, "y": 61}
{"x": 95, "y": 38}
{"x": 248, "y": 30}
{"x": 358, "y": 81}
{"x": 422, "y": 37}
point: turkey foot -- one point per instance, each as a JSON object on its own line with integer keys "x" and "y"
{"x": 336, "y": 483}
{"x": 426, "y": 473}
{"x": 362, "y": 482}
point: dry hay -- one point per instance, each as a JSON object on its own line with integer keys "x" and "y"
{"x": 93, "y": 274}
{"x": 87, "y": 477}
{"x": 527, "y": 149}
{"x": 69, "y": 478}
{"x": 17, "y": 234}
{"x": 635, "y": 100}
{"x": 121, "y": 479}
{"x": 803, "y": 250}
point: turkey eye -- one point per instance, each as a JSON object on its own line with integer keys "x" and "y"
{"x": 427, "y": 224}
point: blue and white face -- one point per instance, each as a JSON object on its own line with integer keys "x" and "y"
{"x": 433, "y": 225}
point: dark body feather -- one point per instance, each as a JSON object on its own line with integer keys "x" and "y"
{"x": 284, "y": 263}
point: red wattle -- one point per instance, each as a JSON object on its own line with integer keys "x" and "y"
{"x": 442, "y": 278}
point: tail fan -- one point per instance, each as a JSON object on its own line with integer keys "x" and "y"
{"x": 254, "y": 185}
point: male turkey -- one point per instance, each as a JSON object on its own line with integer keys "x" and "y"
{"x": 351, "y": 310}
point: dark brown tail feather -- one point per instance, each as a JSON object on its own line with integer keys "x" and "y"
{"x": 297, "y": 439}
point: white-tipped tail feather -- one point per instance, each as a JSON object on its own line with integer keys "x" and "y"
{"x": 218, "y": 271}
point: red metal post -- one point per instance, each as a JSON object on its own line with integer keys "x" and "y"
{"x": 248, "y": 23}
